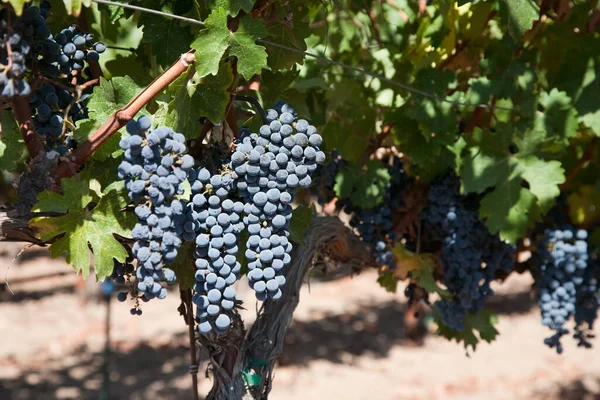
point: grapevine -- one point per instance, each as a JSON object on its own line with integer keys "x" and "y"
{"x": 208, "y": 145}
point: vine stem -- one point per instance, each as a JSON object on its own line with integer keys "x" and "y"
{"x": 587, "y": 156}
{"x": 33, "y": 141}
{"x": 84, "y": 150}
{"x": 376, "y": 142}
{"x": 186, "y": 298}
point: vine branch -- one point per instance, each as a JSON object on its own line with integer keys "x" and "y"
{"x": 33, "y": 141}
{"x": 188, "y": 313}
{"x": 233, "y": 355}
{"x": 84, "y": 150}
{"x": 587, "y": 156}
{"x": 376, "y": 142}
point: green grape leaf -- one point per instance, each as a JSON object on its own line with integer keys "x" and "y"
{"x": 495, "y": 143}
{"x": 107, "y": 98}
{"x": 74, "y": 7}
{"x": 434, "y": 115}
{"x": 347, "y": 130}
{"x": 481, "y": 170}
{"x": 430, "y": 155}
{"x": 478, "y": 326}
{"x": 365, "y": 187}
{"x": 301, "y": 219}
{"x": 233, "y": 7}
{"x": 251, "y": 57}
{"x": 169, "y": 37}
{"x": 213, "y": 41}
{"x": 84, "y": 227}
{"x": 184, "y": 266}
{"x": 480, "y": 90}
{"x": 18, "y": 5}
{"x": 544, "y": 178}
{"x": 388, "y": 281}
{"x": 120, "y": 34}
{"x": 195, "y": 97}
{"x": 579, "y": 72}
{"x": 583, "y": 205}
{"x": 510, "y": 208}
{"x": 559, "y": 117}
{"x": 290, "y": 33}
{"x": 11, "y": 142}
{"x": 79, "y": 197}
{"x": 522, "y": 14}
{"x": 274, "y": 84}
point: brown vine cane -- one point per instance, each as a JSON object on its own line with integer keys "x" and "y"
{"x": 84, "y": 150}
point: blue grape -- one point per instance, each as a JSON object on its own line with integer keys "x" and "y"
{"x": 467, "y": 245}
{"x": 157, "y": 207}
{"x": 217, "y": 236}
{"x": 567, "y": 284}
{"x": 267, "y": 185}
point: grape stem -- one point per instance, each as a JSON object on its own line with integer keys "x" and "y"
{"x": 84, "y": 150}
{"x": 376, "y": 143}
{"x": 33, "y": 141}
{"x": 255, "y": 104}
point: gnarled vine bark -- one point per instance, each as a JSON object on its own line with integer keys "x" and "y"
{"x": 256, "y": 351}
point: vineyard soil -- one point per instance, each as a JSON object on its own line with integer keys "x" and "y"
{"x": 347, "y": 341}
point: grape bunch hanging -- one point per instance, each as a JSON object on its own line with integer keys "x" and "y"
{"x": 251, "y": 189}
{"x": 56, "y": 102}
{"x": 470, "y": 258}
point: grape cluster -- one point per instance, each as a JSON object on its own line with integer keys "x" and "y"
{"x": 324, "y": 178}
{"x": 28, "y": 39}
{"x": 252, "y": 189}
{"x": 566, "y": 288}
{"x": 216, "y": 221}
{"x": 470, "y": 255}
{"x": 49, "y": 104}
{"x": 374, "y": 225}
{"x": 18, "y": 35}
{"x": 269, "y": 167}
{"x": 121, "y": 272}
{"x": 154, "y": 170}
{"x": 70, "y": 50}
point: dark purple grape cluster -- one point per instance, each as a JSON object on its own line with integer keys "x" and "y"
{"x": 251, "y": 189}
{"x": 154, "y": 169}
{"x": 269, "y": 167}
{"x": 18, "y": 35}
{"x": 71, "y": 50}
{"x": 55, "y": 111}
{"x": 27, "y": 39}
{"x": 470, "y": 254}
{"x": 567, "y": 284}
{"x": 324, "y": 178}
{"x": 215, "y": 221}
{"x": 374, "y": 225}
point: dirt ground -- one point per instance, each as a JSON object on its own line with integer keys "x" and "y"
{"x": 348, "y": 341}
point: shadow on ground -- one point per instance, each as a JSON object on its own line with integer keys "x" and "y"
{"x": 375, "y": 329}
{"x": 588, "y": 389}
{"x": 145, "y": 372}
{"x": 511, "y": 304}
